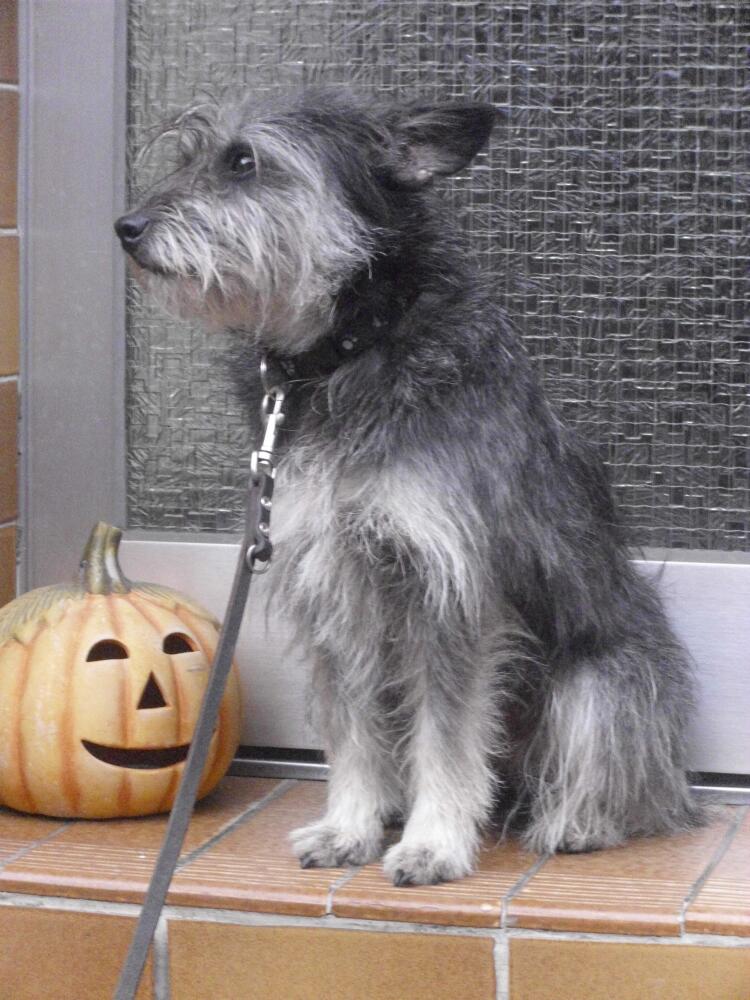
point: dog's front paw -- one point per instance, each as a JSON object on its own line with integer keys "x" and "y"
{"x": 424, "y": 864}
{"x": 321, "y": 845}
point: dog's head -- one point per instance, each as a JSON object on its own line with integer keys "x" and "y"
{"x": 271, "y": 210}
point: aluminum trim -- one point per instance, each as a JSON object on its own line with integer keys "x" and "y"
{"x": 726, "y": 795}
{"x": 263, "y": 767}
{"x": 256, "y": 767}
{"x": 73, "y": 321}
{"x": 706, "y": 602}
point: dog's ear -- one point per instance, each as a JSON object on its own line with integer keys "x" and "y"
{"x": 436, "y": 140}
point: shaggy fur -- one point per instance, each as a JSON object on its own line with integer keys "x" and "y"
{"x": 452, "y": 557}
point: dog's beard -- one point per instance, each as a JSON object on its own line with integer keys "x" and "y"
{"x": 280, "y": 322}
{"x": 275, "y": 275}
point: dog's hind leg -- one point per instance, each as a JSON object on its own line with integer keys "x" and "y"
{"x": 606, "y": 760}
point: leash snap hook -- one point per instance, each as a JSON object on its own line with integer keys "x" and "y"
{"x": 261, "y": 460}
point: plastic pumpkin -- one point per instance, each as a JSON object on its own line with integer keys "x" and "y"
{"x": 100, "y": 687}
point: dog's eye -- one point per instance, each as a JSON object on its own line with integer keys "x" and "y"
{"x": 240, "y": 161}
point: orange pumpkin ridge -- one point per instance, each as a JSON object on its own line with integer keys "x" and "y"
{"x": 18, "y": 736}
{"x": 209, "y": 641}
{"x": 125, "y": 789}
{"x": 207, "y": 648}
{"x": 221, "y": 738}
{"x": 68, "y": 741}
{"x": 166, "y": 800}
{"x": 124, "y": 794}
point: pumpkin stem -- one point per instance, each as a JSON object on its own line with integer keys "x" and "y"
{"x": 100, "y": 571}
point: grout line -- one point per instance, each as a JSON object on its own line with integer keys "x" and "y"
{"x": 23, "y": 851}
{"x": 719, "y": 853}
{"x": 251, "y": 919}
{"x": 517, "y": 886}
{"x": 245, "y": 918}
{"x": 688, "y": 940}
{"x": 10, "y": 87}
{"x": 346, "y": 877}
{"x": 501, "y": 959}
{"x": 160, "y": 967}
{"x": 8, "y": 231}
{"x": 9, "y": 378}
{"x": 32, "y": 901}
{"x": 255, "y": 807}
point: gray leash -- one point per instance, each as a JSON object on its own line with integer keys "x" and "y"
{"x": 256, "y": 547}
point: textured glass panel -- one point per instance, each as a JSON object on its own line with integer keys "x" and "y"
{"x": 612, "y": 211}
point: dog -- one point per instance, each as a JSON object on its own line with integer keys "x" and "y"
{"x": 453, "y": 562}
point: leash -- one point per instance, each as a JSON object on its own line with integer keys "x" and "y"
{"x": 256, "y": 547}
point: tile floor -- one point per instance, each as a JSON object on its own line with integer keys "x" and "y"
{"x": 663, "y": 918}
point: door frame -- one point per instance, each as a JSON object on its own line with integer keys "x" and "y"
{"x": 73, "y": 119}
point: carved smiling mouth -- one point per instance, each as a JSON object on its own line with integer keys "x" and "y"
{"x": 141, "y": 758}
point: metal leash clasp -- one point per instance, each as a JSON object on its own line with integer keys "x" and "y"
{"x": 263, "y": 469}
{"x": 273, "y": 416}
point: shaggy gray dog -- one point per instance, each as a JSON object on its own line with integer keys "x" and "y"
{"x": 452, "y": 559}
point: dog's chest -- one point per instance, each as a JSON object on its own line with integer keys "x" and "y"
{"x": 314, "y": 510}
{"x": 383, "y": 530}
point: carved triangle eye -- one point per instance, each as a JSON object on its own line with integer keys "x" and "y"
{"x": 151, "y": 696}
{"x": 178, "y": 642}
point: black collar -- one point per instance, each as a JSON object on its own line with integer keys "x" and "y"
{"x": 366, "y": 314}
{"x": 324, "y": 357}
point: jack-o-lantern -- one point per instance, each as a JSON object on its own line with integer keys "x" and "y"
{"x": 100, "y": 687}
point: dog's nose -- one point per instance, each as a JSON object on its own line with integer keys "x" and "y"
{"x": 131, "y": 227}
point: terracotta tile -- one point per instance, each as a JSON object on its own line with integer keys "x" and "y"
{"x": 7, "y": 565}
{"x": 587, "y": 970}
{"x": 723, "y": 904}
{"x": 8, "y": 305}
{"x": 254, "y": 869}
{"x": 56, "y": 955}
{"x": 8, "y": 157}
{"x": 20, "y": 832}
{"x": 8, "y": 449}
{"x": 225, "y": 962}
{"x": 113, "y": 859}
{"x": 8, "y": 41}
{"x": 471, "y": 902}
{"x": 635, "y": 889}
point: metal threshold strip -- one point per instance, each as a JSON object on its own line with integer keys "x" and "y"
{"x": 275, "y": 762}
{"x": 307, "y": 765}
